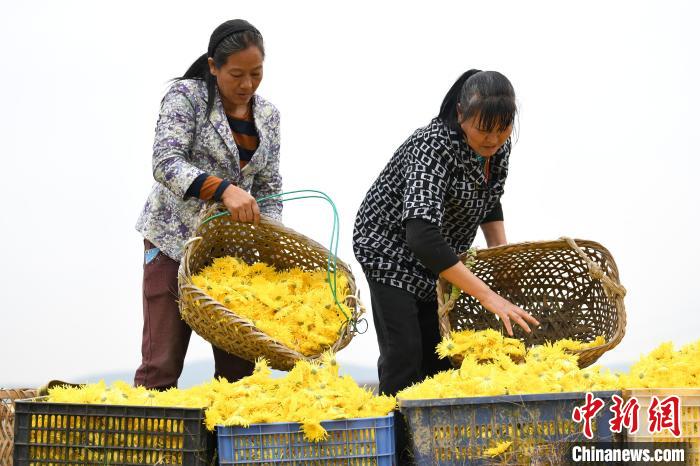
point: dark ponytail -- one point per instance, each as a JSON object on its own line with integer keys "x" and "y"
{"x": 489, "y": 95}
{"x": 199, "y": 69}
{"x": 228, "y": 38}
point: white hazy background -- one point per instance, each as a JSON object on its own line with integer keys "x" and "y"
{"x": 607, "y": 151}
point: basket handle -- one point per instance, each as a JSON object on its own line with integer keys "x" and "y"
{"x": 610, "y": 288}
{"x": 358, "y": 310}
{"x": 444, "y": 316}
{"x": 210, "y": 209}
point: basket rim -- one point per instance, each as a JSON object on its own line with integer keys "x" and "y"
{"x": 570, "y": 243}
{"x": 546, "y": 244}
{"x": 191, "y": 244}
{"x": 6, "y": 392}
{"x": 473, "y": 400}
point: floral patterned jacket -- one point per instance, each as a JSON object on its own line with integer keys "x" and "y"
{"x": 187, "y": 144}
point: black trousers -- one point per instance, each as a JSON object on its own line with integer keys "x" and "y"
{"x": 407, "y": 333}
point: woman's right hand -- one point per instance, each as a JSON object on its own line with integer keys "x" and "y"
{"x": 460, "y": 276}
{"x": 242, "y": 206}
{"x": 508, "y": 312}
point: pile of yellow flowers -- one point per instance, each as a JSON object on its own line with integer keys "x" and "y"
{"x": 483, "y": 346}
{"x": 310, "y": 393}
{"x": 546, "y": 368}
{"x": 666, "y": 368}
{"x": 295, "y": 307}
{"x": 489, "y": 368}
{"x": 487, "y": 345}
{"x": 123, "y": 394}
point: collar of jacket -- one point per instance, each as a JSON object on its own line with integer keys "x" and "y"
{"x": 467, "y": 157}
{"x": 220, "y": 122}
{"x": 469, "y": 160}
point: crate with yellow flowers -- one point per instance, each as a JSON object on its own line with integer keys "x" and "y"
{"x": 506, "y": 404}
{"x": 571, "y": 286}
{"x": 364, "y": 441}
{"x": 311, "y": 415}
{"x": 687, "y": 422}
{"x": 48, "y": 433}
{"x": 266, "y": 291}
{"x": 509, "y": 430}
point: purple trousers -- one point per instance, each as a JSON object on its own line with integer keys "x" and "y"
{"x": 166, "y": 336}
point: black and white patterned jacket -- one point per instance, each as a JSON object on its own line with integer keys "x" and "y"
{"x": 434, "y": 175}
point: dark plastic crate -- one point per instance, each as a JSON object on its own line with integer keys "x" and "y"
{"x": 363, "y": 441}
{"x": 456, "y": 431}
{"x": 84, "y": 434}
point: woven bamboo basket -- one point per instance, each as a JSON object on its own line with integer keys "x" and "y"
{"x": 7, "y": 418}
{"x": 269, "y": 242}
{"x": 571, "y": 287}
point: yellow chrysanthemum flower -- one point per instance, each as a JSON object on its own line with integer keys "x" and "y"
{"x": 295, "y": 307}
{"x": 499, "y": 449}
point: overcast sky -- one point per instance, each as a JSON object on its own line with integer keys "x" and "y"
{"x": 607, "y": 150}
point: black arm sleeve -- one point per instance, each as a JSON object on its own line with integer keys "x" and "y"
{"x": 220, "y": 190}
{"x": 428, "y": 245}
{"x": 196, "y": 186}
{"x": 496, "y": 214}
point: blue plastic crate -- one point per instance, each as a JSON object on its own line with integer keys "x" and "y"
{"x": 456, "y": 431}
{"x": 365, "y": 441}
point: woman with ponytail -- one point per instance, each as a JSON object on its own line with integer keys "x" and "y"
{"x": 215, "y": 140}
{"x": 442, "y": 184}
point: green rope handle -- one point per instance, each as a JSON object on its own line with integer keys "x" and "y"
{"x": 332, "y": 262}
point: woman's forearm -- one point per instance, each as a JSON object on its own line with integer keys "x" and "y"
{"x": 494, "y": 233}
{"x": 460, "y": 276}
